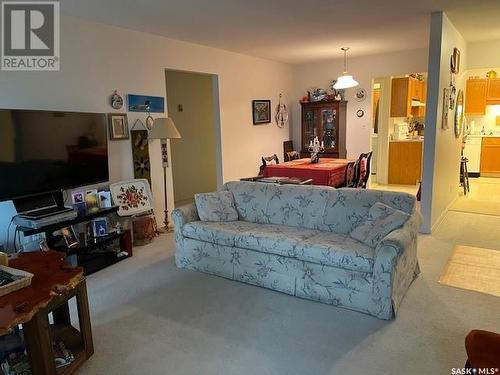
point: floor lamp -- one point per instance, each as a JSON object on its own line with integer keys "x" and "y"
{"x": 163, "y": 129}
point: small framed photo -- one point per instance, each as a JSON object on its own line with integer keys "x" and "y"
{"x": 118, "y": 126}
{"x": 69, "y": 236}
{"x": 100, "y": 227}
{"x": 77, "y": 197}
{"x": 261, "y": 111}
{"x": 105, "y": 199}
{"x": 91, "y": 200}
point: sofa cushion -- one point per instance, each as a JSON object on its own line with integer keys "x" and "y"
{"x": 380, "y": 221}
{"x": 216, "y": 206}
{"x": 222, "y": 233}
{"x": 275, "y": 239}
{"x": 337, "y": 250}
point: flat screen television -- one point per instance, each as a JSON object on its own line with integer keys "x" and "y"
{"x": 46, "y": 151}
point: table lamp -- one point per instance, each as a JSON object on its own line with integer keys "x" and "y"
{"x": 163, "y": 129}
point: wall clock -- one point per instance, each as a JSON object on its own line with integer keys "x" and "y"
{"x": 360, "y": 113}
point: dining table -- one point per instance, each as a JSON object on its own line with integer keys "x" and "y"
{"x": 327, "y": 172}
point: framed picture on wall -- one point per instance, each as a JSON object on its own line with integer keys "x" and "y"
{"x": 261, "y": 111}
{"x": 118, "y": 126}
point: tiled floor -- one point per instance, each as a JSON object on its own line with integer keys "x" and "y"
{"x": 410, "y": 189}
{"x": 483, "y": 198}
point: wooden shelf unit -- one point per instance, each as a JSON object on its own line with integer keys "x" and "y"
{"x": 480, "y": 92}
{"x": 404, "y": 91}
{"x": 490, "y": 157}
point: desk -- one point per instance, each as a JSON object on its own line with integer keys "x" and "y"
{"x": 328, "y": 172}
{"x": 53, "y": 284}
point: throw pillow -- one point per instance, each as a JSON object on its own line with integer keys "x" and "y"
{"x": 217, "y": 206}
{"x": 380, "y": 221}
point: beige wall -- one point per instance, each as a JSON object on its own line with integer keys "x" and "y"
{"x": 194, "y": 156}
{"x": 441, "y": 148}
{"x": 97, "y": 59}
{"x": 483, "y": 54}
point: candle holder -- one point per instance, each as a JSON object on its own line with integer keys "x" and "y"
{"x": 315, "y": 148}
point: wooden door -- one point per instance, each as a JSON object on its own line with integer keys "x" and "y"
{"x": 475, "y": 96}
{"x": 490, "y": 156}
{"x": 493, "y": 92}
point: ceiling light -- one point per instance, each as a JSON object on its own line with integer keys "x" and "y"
{"x": 345, "y": 81}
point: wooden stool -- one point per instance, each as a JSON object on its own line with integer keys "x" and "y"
{"x": 464, "y": 175}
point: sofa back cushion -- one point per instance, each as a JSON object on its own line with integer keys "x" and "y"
{"x": 312, "y": 207}
{"x": 216, "y": 206}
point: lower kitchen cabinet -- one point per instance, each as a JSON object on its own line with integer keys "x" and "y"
{"x": 490, "y": 157}
{"x": 405, "y": 162}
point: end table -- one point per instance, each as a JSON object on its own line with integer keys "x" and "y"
{"x": 53, "y": 285}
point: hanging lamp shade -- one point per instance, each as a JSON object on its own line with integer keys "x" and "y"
{"x": 346, "y": 80}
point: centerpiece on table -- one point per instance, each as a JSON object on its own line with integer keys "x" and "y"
{"x": 315, "y": 148}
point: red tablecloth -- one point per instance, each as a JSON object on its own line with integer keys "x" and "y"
{"x": 328, "y": 172}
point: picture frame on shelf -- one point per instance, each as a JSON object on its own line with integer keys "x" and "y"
{"x": 105, "y": 199}
{"x": 261, "y": 111}
{"x": 118, "y": 126}
{"x": 69, "y": 236}
{"x": 100, "y": 227}
{"x": 91, "y": 200}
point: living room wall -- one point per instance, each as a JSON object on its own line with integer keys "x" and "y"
{"x": 97, "y": 59}
{"x": 441, "y": 148}
{"x": 364, "y": 69}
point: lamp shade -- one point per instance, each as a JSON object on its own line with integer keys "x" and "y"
{"x": 345, "y": 82}
{"x": 164, "y": 128}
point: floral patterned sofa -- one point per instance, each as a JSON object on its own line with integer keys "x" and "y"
{"x": 295, "y": 239}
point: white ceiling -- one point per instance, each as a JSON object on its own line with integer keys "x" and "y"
{"x": 294, "y": 31}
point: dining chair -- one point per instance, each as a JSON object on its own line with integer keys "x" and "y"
{"x": 287, "y": 147}
{"x": 362, "y": 170}
{"x": 268, "y": 160}
{"x": 292, "y": 155}
{"x": 350, "y": 175}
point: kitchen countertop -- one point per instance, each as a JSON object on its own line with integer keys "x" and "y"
{"x": 421, "y": 139}
{"x": 494, "y": 135}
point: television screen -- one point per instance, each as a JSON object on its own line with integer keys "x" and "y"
{"x": 44, "y": 151}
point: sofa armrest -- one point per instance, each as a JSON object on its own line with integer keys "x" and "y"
{"x": 183, "y": 215}
{"x": 395, "y": 266}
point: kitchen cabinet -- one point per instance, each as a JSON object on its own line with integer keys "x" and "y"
{"x": 475, "y": 97}
{"x": 327, "y": 121}
{"x": 493, "y": 91}
{"x": 405, "y": 162}
{"x": 490, "y": 157}
{"x": 404, "y": 92}
{"x": 472, "y": 151}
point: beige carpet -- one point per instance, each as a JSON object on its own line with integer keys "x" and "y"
{"x": 473, "y": 268}
{"x": 476, "y": 206}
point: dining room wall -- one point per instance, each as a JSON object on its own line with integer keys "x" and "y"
{"x": 364, "y": 69}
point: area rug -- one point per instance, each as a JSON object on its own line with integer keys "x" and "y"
{"x": 476, "y": 206}
{"x": 473, "y": 268}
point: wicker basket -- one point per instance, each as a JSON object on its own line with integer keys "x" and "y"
{"x": 18, "y": 284}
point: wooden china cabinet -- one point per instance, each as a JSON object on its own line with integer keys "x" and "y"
{"x": 327, "y": 121}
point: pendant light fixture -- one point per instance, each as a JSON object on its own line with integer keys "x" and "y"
{"x": 345, "y": 81}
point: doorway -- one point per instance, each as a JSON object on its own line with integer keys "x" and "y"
{"x": 193, "y": 105}
{"x": 398, "y": 132}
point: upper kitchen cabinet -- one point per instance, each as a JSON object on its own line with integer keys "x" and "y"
{"x": 475, "y": 96}
{"x": 480, "y": 93}
{"x": 493, "y": 91}
{"x": 408, "y": 97}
